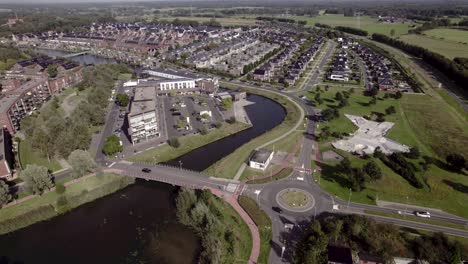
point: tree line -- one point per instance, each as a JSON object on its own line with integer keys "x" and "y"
{"x": 247, "y": 68}
{"x": 450, "y": 68}
{"x": 365, "y": 235}
{"x": 351, "y": 30}
{"x": 53, "y": 133}
{"x": 198, "y": 210}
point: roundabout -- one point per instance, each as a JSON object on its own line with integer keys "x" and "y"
{"x": 295, "y": 200}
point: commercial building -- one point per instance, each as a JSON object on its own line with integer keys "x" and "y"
{"x": 142, "y": 119}
{"x": 260, "y": 159}
{"x": 170, "y": 82}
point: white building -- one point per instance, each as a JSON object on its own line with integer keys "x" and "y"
{"x": 260, "y": 159}
{"x": 142, "y": 118}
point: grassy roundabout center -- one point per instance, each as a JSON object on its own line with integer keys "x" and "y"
{"x": 295, "y": 198}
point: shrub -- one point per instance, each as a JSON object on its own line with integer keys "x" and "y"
{"x": 174, "y": 142}
{"x": 60, "y": 188}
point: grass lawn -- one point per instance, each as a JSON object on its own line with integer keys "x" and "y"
{"x": 286, "y": 172}
{"x": 187, "y": 143}
{"x": 228, "y": 166}
{"x": 263, "y": 222}
{"x": 294, "y": 198}
{"x": 29, "y": 156}
{"x": 448, "y": 34}
{"x": 125, "y": 76}
{"x": 446, "y": 48}
{"x": 421, "y": 120}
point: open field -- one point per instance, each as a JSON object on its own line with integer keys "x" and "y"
{"x": 421, "y": 121}
{"x": 28, "y": 156}
{"x": 187, "y": 143}
{"x": 448, "y": 34}
{"x": 446, "y": 48}
{"x": 228, "y": 166}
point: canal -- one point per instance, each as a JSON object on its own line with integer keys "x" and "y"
{"x": 134, "y": 225}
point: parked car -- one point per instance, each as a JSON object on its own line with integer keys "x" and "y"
{"x": 146, "y": 170}
{"x": 277, "y": 209}
{"x": 423, "y": 214}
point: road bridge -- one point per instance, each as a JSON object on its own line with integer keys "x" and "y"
{"x": 76, "y": 54}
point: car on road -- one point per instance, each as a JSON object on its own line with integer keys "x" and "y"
{"x": 146, "y": 170}
{"x": 277, "y": 209}
{"x": 423, "y": 214}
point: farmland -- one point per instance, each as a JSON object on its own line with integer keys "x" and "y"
{"x": 448, "y": 34}
{"x": 444, "y": 47}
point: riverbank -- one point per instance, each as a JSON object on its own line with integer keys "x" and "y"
{"x": 32, "y": 209}
{"x": 224, "y": 235}
{"x": 188, "y": 143}
{"x": 229, "y": 165}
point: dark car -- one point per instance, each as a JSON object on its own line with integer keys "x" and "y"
{"x": 147, "y": 170}
{"x": 277, "y": 209}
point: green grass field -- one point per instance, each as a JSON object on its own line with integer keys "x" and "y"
{"x": 187, "y": 143}
{"x": 446, "y": 48}
{"x": 422, "y": 121}
{"x": 29, "y": 156}
{"x": 448, "y": 34}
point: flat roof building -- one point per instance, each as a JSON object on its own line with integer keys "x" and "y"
{"x": 142, "y": 119}
{"x": 260, "y": 159}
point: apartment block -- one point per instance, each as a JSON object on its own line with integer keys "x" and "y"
{"x": 142, "y": 118}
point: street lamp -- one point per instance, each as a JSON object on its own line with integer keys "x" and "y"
{"x": 406, "y": 206}
{"x": 180, "y": 164}
{"x": 349, "y": 199}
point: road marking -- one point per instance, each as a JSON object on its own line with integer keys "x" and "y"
{"x": 112, "y": 164}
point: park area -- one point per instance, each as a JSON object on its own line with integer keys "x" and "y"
{"x": 420, "y": 121}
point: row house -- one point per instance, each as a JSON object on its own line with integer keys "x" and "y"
{"x": 299, "y": 66}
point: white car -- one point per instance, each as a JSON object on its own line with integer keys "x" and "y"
{"x": 423, "y": 214}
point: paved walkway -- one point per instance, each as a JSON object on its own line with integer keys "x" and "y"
{"x": 232, "y": 200}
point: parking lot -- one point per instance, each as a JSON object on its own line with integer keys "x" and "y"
{"x": 190, "y": 114}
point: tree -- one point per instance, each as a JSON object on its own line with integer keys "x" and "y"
{"x": 398, "y": 95}
{"x": 123, "y": 99}
{"x": 60, "y": 188}
{"x": 318, "y": 99}
{"x": 37, "y": 178}
{"x": 227, "y": 103}
{"x": 345, "y": 166}
{"x": 174, "y": 142}
{"x": 112, "y": 145}
{"x": 5, "y": 195}
{"x": 413, "y": 153}
{"x": 373, "y": 170}
{"x": 456, "y": 161}
{"x": 392, "y": 32}
{"x": 81, "y": 163}
{"x": 52, "y": 71}
{"x": 390, "y": 110}
{"x": 338, "y": 96}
